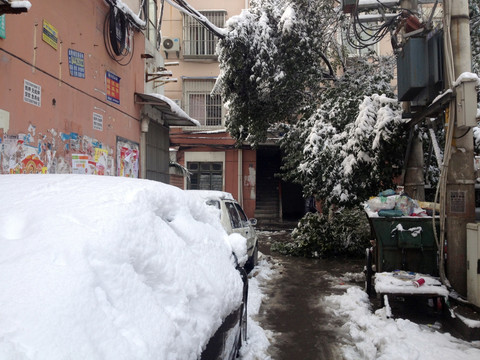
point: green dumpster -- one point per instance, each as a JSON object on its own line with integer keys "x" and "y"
{"x": 405, "y": 243}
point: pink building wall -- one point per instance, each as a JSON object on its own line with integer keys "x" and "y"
{"x": 42, "y": 137}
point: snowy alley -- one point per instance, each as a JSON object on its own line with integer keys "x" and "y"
{"x": 317, "y": 309}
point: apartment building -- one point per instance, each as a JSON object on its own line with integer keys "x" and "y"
{"x": 76, "y": 90}
{"x": 206, "y": 156}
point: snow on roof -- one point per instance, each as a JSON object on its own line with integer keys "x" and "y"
{"x": 212, "y": 194}
{"x": 97, "y": 267}
{"x": 21, "y": 4}
{"x": 175, "y": 108}
{"x": 125, "y": 9}
{"x": 466, "y": 76}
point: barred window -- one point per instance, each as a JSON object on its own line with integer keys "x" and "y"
{"x": 205, "y": 175}
{"x": 200, "y": 105}
{"x": 198, "y": 41}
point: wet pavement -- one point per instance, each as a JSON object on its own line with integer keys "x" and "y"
{"x": 291, "y": 310}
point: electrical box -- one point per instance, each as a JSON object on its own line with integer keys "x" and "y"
{"x": 466, "y": 103}
{"x": 412, "y": 68}
{"x": 420, "y": 69}
{"x": 473, "y": 263}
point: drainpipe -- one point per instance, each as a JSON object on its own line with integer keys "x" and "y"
{"x": 143, "y": 146}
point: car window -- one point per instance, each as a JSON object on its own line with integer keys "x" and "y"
{"x": 243, "y": 217}
{"x": 234, "y": 217}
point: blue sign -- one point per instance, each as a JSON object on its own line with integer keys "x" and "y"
{"x": 113, "y": 87}
{"x": 2, "y": 27}
{"x": 76, "y": 63}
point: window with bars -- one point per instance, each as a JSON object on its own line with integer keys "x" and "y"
{"x": 199, "y": 42}
{"x": 205, "y": 176}
{"x": 200, "y": 104}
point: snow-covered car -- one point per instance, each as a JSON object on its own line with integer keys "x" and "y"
{"x": 234, "y": 220}
{"x": 97, "y": 267}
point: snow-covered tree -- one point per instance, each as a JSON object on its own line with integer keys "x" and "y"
{"x": 274, "y": 70}
{"x": 272, "y": 62}
{"x": 353, "y": 144}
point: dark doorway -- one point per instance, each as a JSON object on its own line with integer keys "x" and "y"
{"x": 276, "y": 200}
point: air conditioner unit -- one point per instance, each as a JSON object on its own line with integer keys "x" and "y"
{"x": 171, "y": 44}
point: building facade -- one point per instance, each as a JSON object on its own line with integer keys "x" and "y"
{"x": 74, "y": 91}
{"x": 208, "y": 155}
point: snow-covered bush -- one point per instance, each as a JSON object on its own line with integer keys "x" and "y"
{"x": 345, "y": 233}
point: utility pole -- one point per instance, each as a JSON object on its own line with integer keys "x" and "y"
{"x": 414, "y": 180}
{"x": 460, "y": 188}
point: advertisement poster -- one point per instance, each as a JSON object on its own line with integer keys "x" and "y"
{"x": 3, "y": 34}
{"x": 32, "y": 93}
{"x": 80, "y": 164}
{"x": 50, "y": 34}
{"x": 76, "y": 63}
{"x": 128, "y": 162}
{"x": 101, "y": 161}
{"x": 113, "y": 87}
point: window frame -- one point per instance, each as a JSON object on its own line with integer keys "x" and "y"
{"x": 207, "y": 109}
{"x": 198, "y": 172}
{"x": 198, "y": 41}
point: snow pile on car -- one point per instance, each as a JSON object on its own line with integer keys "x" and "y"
{"x": 109, "y": 268}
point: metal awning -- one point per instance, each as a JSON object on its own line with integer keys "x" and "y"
{"x": 171, "y": 112}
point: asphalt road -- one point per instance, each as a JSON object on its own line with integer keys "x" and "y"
{"x": 292, "y": 311}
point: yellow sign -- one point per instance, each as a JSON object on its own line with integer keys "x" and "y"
{"x": 50, "y": 34}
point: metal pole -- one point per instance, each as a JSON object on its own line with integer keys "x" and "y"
{"x": 460, "y": 188}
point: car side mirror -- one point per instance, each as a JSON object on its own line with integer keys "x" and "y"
{"x": 253, "y": 222}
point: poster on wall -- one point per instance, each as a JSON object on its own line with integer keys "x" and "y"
{"x": 76, "y": 63}
{"x": 113, "y": 87}
{"x": 3, "y": 33}
{"x": 80, "y": 164}
{"x": 101, "y": 161}
{"x": 50, "y": 34}
{"x": 127, "y": 158}
{"x": 32, "y": 93}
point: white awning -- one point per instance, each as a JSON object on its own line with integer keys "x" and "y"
{"x": 171, "y": 112}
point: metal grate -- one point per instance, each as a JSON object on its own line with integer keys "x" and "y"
{"x": 198, "y": 41}
{"x": 200, "y": 105}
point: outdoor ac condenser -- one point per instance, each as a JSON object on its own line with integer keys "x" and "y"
{"x": 170, "y": 44}
{"x": 473, "y": 263}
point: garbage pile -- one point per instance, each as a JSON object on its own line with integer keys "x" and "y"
{"x": 391, "y": 203}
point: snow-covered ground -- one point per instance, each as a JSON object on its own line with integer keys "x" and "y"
{"x": 365, "y": 334}
{"x": 258, "y": 339}
{"x": 97, "y": 267}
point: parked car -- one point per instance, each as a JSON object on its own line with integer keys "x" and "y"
{"x": 100, "y": 267}
{"x": 234, "y": 220}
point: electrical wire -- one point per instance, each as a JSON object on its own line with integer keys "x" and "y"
{"x": 361, "y": 35}
{"x": 124, "y": 56}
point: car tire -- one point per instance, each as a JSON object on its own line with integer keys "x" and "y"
{"x": 252, "y": 260}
